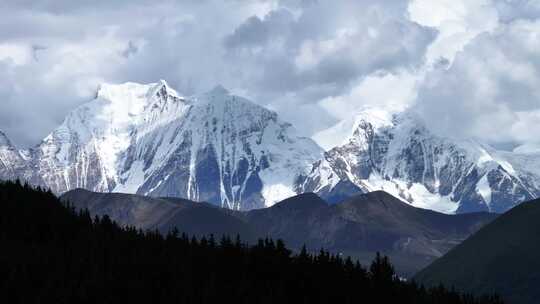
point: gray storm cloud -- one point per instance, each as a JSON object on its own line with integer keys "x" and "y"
{"x": 286, "y": 55}
{"x": 301, "y": 58}
{"x": 491, "y": 90}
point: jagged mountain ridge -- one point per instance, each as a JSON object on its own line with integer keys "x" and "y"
{"x": 224, "y": 149}
{"x": 398, "y": 154}
{"x": 147, "y": 139}
{"x": 11, "y": 159}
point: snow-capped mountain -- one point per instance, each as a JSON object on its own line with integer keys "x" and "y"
{"x": 13, "y": 163}
{"x": 398, "y": 154}
{"x": 217, "y": 147}
{"x": 148, "y": 139}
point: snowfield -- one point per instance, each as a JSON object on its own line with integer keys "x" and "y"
{"x": 224, "y": 149}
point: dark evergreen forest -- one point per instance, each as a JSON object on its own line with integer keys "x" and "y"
{"x": 51, "y": 253}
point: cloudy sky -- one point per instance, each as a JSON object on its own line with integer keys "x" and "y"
{"x": 470, "y": 68}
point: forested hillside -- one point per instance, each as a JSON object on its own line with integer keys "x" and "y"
{"x": 53, "y": 254}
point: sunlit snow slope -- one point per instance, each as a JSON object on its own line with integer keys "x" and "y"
{"x": 147, "y": 139}
{"x": 224, "y": 149}
{"x": 12, "y": 162}
{"x": 398, "y": 154}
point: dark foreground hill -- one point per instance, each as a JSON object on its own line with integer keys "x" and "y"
{"x": 367, "y": 223}
{"x": 359, "y": 227}
{"x": 504, "y": 257}
{"x": 53, "y": 254}
{"x": 162, "y": 214}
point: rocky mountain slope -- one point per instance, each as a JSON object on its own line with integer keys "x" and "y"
{"x": 398, "y": 154}
{"x": 9, "y": 158}
{"x": 226, "y": 150}
{"x": 149, "y": 140}
{"x": 359, "y": 227}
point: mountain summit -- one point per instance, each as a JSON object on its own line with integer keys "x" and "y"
{"x": 398, "y": 154}
{"x": 148, "y": 139}
{"x": 12, "y": 163}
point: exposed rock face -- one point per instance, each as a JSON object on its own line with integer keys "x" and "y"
{"x": 149, "y": 140}
{"x": 11, "y": 161}
{"x": 396, "y": 153}
{"x": 224, "y": 149}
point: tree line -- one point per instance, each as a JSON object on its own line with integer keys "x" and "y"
{"x": 52, "y": 253}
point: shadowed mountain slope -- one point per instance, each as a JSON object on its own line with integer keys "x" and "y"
{"x": 162, "y": 214}
{"x": 359, "y": 227}
{"x": 503, "y": 257}
{"x": 52, "y": 253}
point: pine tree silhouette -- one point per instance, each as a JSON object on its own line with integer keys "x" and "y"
{"x": 52, "y": 253}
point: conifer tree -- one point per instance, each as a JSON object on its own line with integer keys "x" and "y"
{"x": 52, "y": 253}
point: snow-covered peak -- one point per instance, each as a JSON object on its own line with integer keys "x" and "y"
{"x": 397, "y": 153}
{"x": 135, "y": 95}
{"x": 353, "y": 127}
{"x": 162, "y": 88}
{"x": 145, "y": 138}
{"x": 11, "y": 162}
{"x": 377, "y": 118}
{"x": 105, "y": 127}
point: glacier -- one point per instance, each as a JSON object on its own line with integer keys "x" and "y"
{"x": 12, "y": 162}
{"x": 149, "y": 139}
{"x": 395, "y": 152}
